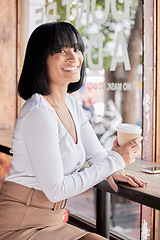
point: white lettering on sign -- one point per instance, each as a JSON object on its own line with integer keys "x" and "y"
{"x": 114, "y": 86}
{"x": 102, "y": 20}
{"x": 40, "y": 11}
{"x": 127, "y": 87}
{"x": 80, "y": 9}
{"x": 98, "y": 39}
{"x": 120, "y": 15}
{"x": 51, "y": 16}
{"x": 68, "y": 5}
{"x": 84, "y": 5}
{"x": 119, "y": 86}
{"x": 116, "y": 14}
{"x": 120, "y": 40}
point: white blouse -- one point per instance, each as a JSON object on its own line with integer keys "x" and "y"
{"x": 46, "y": 158}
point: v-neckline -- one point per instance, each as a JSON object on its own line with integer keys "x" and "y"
{"x": 74, "y": 122}
{"x": 75, "y": 126}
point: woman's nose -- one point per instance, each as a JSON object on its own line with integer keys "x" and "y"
{"x": 72, "y": 56}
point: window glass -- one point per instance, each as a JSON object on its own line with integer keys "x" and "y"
{"x": 83, "y": 205}
{"x": 112, "y": 33}
{"x": 125, "y": 218}
{"x": 124, "y": 214}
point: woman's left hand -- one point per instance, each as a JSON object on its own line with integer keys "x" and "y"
{"x": 122, "y": 176}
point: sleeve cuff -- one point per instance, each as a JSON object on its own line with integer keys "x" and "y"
{"x": 114, "y": 154}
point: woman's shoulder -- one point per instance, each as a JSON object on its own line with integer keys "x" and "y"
{"x": 36, "y": 102}
{"x": 35, "y": 107}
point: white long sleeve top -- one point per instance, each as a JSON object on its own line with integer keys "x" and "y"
{"x": 46, "y": 158}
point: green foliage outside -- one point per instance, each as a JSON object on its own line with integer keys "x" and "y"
{"x": 107, "y": 29}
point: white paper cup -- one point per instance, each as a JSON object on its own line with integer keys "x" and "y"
{"x": 127, "y": 132}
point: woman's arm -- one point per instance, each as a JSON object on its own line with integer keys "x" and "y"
{"x": 95, "y": 152}
{"x": 40, "y": 133}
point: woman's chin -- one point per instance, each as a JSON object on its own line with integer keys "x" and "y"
{"x": 74, "y": 80}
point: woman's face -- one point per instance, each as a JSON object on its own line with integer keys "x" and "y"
{"x": 64, "y": 66}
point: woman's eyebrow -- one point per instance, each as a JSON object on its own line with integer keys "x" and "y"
{"x": 76, "y": 45}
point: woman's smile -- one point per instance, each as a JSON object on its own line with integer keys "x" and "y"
{"x": 71, "y": 69}
{"x": 64, "y": 66}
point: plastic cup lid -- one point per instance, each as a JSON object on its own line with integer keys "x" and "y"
{"x": 129, "y": 128}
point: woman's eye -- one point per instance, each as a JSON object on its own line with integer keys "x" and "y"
{"x": 77, "y": 50}
{"x": 61, "y": 51}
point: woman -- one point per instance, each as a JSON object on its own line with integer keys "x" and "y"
{"x": 52, "y": 139}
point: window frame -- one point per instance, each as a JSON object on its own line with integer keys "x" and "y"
{"x": 151, "y": 98}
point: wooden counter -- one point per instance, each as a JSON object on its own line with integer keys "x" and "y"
{"x": 149, "y": 196}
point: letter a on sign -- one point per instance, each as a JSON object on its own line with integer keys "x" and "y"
{"x": 120, "y": 59}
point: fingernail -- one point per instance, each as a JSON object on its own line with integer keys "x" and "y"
{"x": 144, "y": 185}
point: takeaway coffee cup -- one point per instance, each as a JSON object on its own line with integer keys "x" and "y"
{"x": 127, "y": 132}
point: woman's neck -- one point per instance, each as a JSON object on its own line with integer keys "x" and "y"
{"x": 57, "y": 97}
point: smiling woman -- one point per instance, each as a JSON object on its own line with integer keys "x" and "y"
{"x": 47, "y": 42}
{"x": 52, "y": 139}
{"x": 67, "y": 64}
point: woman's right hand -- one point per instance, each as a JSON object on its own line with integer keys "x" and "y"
{"x": 129, "y": 151}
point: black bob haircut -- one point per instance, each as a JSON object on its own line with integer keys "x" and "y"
{"x": 46, "y": 40}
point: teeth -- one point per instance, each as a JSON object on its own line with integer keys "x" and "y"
{"x": 70, "y": 69}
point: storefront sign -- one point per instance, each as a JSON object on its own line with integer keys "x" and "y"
{"x": 51, "y": 15}
{"x": 110, "y": 86}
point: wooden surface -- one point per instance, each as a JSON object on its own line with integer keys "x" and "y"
{"x": 148, "y": 83}
{"x": 8, "y": 63}
{"x": 149, "y": 196}
{"x": 6, "y": 140}
{"x": 158, "y": 83}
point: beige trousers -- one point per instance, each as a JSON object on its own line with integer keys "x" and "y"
{"x": 26, "y": 213}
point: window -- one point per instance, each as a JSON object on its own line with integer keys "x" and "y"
{"x": 122, "y": 81}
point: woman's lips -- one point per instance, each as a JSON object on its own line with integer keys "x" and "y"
{"x": 70, "y": 69}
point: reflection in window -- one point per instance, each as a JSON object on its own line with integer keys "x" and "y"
{"x": 124, "y": 214}
{"x": 83, "y": 205}
{"x": 125, "y": 217}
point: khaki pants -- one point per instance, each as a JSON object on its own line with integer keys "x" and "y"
{"x": 26, "y": 213}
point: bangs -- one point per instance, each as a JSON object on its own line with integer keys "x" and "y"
{"x": 46, "y": 40}
{"x": 65, "y": 35}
